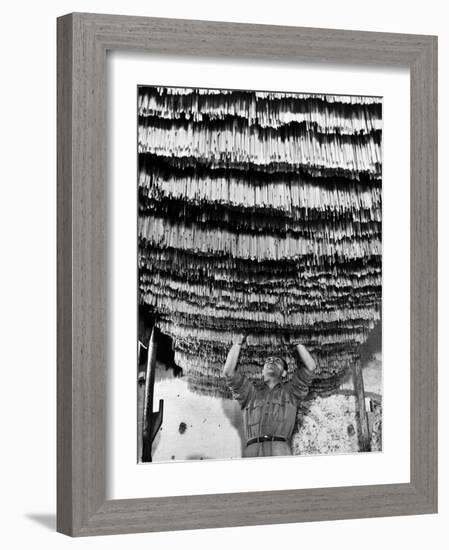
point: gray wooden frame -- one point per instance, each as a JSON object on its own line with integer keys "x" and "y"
{"x": 83, "y": 40}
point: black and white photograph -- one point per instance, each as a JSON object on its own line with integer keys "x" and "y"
{"x": 259, "y": 274}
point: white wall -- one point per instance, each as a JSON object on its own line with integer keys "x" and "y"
{"x": 27, "y": 299}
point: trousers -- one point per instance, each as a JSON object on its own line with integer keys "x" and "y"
{"x": 267, "y": 448}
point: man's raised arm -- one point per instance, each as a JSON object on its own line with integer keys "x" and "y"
{"x": 233, "y": 356}
{"x": 307, "y": 360}
{"x": 303, "y": 375}
{"x": 241, "y": 388}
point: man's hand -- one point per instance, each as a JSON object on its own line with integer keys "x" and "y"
{"x": 287, "y": 339}
{"x": 306, "y": 358}
{"x": 240, "y": 340}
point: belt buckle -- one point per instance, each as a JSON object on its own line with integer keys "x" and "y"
{"x": 267, "y": 438}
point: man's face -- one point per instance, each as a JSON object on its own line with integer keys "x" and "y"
{"x": 273, "y": 368}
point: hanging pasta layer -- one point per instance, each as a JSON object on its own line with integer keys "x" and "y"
{"x": 260, "y": 212}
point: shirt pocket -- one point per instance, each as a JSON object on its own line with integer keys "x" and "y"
{"x": 279, "y": 408}
{"x": 254, "y": 413}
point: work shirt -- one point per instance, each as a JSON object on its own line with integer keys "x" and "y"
{"x": 269, "y": 412}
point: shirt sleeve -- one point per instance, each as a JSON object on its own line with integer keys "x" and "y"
{"x": 242, "y": 389}
{"x": 300, "y": 382}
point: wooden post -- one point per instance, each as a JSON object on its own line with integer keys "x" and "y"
{"x": 364, "y": 436}
{"x": 151, "y": 420}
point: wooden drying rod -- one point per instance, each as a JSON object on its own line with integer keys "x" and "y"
{"x": 152, "y": 421}
{"x": 360, "y": 405}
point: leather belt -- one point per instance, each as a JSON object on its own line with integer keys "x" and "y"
{"x": 263, "y": 438}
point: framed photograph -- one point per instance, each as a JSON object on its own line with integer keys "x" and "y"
{"x": 247, "y": 274}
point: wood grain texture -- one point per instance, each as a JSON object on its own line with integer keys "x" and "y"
{"x": 423, "y": 272}
{"x": 359, "y": 388}
{"x": 83, "y": 40}
{"x": 64, "y": 276}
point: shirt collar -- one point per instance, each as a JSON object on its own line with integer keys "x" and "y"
{"x": 267, "y": 386}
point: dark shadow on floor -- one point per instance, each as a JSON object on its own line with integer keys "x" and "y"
{"x": 46, "y": 520}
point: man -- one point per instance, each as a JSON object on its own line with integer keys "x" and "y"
{"x": 269, "y": 408}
